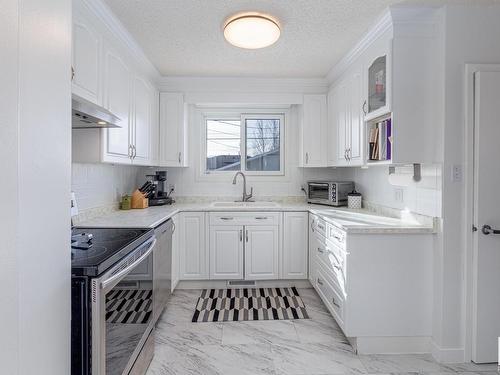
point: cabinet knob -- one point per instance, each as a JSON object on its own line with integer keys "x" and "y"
{"x": 364, "y": 107}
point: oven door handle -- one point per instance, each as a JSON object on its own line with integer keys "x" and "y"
{"x": 114, "y": 279}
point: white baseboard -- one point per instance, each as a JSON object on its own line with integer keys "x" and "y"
{"x": 214, "y": 284}
{"x": 447, "y": 355}
{"x": 391, "y": 345}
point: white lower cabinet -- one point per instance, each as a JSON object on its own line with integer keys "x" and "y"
{"x": 175, "y": 252}
{"x": 261, "y": 252}
{"x": 193, "y": 255}
{"x": 244, "y": 245}
{"x": 295, "y": 244}
{"x": 378, "y": 287}
{"x": 226, "y": 252}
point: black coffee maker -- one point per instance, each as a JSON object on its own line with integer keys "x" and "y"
{"x": 155, "y": 189}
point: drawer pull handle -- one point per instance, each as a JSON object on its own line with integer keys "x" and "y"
{"x": 241, "y": 235}
{"x": 319, "y": 281}
{"x": 335, "y": 303}
{"x": 227, "y": 218}
{"x": 261, "y": 218}
{"x": 321, "y": 227}
{"x": 320, "y": 250}
{"x": 338, "y": 238}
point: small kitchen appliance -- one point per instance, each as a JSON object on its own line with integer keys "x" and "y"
{"x": 331, "y": 193}
{"x": 155, "y": 189}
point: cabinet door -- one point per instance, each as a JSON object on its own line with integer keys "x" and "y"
{"x": 142, "y": 115}
{"x": 175, "y": 252}
{"x": 356, "y": 123}
{"x": 261, "y": 252}
{"x": 295, "y": 245}
{"x": 117, "y": 93}
{"x": 226, "y": 252}
{"x": 314, "y": 123}
{"x": 193, "y": 249}
{"x": 173, "y": 145}
{"x": 86, "y": 61}
{"x": 343, "y": 124}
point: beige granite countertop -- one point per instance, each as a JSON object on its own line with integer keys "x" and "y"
{"x": 352, "y": 221}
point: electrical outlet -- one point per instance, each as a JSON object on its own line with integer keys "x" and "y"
{"x": 456, "y": 173}
{"x": 399, "y": 195}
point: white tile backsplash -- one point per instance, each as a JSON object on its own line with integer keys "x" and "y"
{"x": 99, "y": 185}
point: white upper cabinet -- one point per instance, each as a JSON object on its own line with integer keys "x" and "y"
{"x": 173, "y": 130}
{"x": 314, "y": 131}
{"x": 383, "y": 102}
{"x": 86, "y": 60}
{"x": 346, "y": 120}
{"x": 117, "y": 142}
{"x": 144, "y": 123}
{"x": 107, "y": 73}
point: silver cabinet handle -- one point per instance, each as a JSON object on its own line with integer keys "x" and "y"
{"x": 364, "y": 107}
{"x": 261, "y": 218}
{"x": 241, "y": 235}
{"x": 246, "y": 235}
{"x": 349, "y": 154}
{"x": 135, "y": 151}
{"x": 227, "y": 218}
{"x": 319, "y": 281}
{"x": 307, "y": 158}
{"x": 130, "y": 153}
{"x": 321, "y": 227}
{"x": 320, "y": 250}
{"x": 486, "y": 229}
{"x": 173, "y": 227}
{"x": 312, "y": 225}
{"x": 345, "y": 154}
{"x": 335, "y": 303}
{"x": 180, "y": 154}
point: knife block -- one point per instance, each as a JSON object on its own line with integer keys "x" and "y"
{"x": 139, "y": 200}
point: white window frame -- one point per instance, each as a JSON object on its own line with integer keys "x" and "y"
{"x": 242, "y": 116}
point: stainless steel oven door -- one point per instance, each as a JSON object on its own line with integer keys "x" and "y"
{"x": 122, "y": 311}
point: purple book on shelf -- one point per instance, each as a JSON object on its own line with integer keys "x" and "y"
{"x": 389, "y": 143}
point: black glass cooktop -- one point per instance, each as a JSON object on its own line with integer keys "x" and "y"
{"x": 93, "y": 250}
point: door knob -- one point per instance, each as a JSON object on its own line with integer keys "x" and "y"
{"x": 486, "y": 229}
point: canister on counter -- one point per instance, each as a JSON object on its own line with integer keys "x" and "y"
{"x": 354, "y": 200}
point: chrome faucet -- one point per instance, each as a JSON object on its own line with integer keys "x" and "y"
{"x": 245, "y": 197}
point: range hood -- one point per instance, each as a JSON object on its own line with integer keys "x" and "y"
{"x": 87, "y": 115}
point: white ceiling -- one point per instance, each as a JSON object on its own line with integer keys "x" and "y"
{"x": 184, "y": 37}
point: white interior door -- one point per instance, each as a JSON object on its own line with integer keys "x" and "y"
{"x": 486, "y": 296}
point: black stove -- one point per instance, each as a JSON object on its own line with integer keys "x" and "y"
{"x": 94, "y": 250}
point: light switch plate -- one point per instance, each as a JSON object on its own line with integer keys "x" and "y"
{"x": 456, "y": 173}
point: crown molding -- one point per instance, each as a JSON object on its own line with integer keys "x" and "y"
{"x": 104, "y": 14}
{"x": 243, "y": 85}
{"x": 383, "y": 24}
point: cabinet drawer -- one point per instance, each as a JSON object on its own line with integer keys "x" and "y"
{"x": 336, "y": 235}
{"x": 318, "y": 225}
{"x": 330, "y": 296}
{"x": 244, "y": 218}
{"x": 333, "y": 259}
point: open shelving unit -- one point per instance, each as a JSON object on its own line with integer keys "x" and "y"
{"x": 379, "y": 140}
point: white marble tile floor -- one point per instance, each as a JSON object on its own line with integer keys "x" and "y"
{"x": 313, "y": 346}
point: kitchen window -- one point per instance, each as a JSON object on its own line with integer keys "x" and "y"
{"x": 251, "y": 143}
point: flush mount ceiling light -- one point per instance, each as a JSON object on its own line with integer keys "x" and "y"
{"x": 251, "y": 30}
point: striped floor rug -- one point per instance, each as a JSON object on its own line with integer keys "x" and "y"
{"x": 222, "y": 305}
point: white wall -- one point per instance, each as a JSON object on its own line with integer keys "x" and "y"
{"x": 99, "y": 185}
{"x": 189, "y": 182}
{"x": 35, "y": 149}
{"x": 471, "y": 36}
{"x": 422, "y": 197}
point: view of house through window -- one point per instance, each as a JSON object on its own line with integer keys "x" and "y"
{"x": 258, "y": 137}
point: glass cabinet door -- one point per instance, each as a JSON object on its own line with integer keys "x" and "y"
{"x": 377, "y": 88}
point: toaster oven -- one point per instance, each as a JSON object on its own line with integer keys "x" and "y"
{"x": 329, "y": 192}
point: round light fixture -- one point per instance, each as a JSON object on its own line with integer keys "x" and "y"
{"x": 251, "y": 30}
